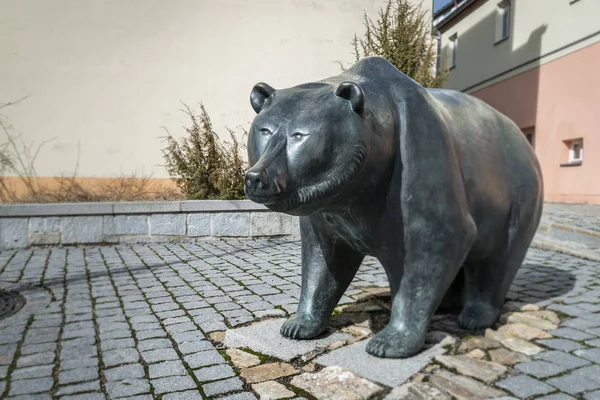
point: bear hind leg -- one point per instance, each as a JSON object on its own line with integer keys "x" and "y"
{"x": 487, "y": 281}
{"x": 453, "y": 301}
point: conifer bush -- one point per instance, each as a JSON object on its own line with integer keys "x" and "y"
{"x": 203, "y": 166}
{"x": 402, "y": 35}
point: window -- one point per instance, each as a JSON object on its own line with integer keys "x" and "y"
{"x": 453, "y": 44}
{"x": 503, "y": 21}
{"x": 530, "y": 136}
{"x": 575, "y": 151}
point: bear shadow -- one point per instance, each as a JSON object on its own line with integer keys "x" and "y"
{"x": 534, "y": 283}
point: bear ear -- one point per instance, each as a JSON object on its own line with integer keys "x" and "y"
{"x": 260, "y": 93}
{"x": 354, "y": 94}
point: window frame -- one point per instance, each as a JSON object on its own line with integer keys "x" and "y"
{"x": 453, "y": 50}
{"x": 572, "y": 144}
{"x": 503, "y": 21}
{"x": 572, "y": 160}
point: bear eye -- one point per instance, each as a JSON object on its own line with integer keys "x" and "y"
{"x": 299, "y": 135}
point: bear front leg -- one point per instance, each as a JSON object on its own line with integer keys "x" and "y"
{"x": 418, "y": 284}
{"x": 328, "y": 267}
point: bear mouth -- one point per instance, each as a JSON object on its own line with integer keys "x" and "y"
{"x": 317, "y": 192}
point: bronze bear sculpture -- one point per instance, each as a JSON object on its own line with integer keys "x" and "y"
{"x": 440, "y": 187}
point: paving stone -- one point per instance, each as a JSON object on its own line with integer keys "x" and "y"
{"x": 565, "y": 360}
{"x": 152, "y": 333}
{"x": 183, "y": 337}
{"x": 78, "y": 363}
{"x": 194, "y": 347}
{"x": 540, "y": 369}
{"x": 570, "y": 333}
{"x": 521, "y": 346}
{"x": 482, "y": 370}
{"x": 592, "y": 395}
{"x": 120, "y": 356}
{"x": 592, "y": 354}
{"x": 264, "y": 338}
{"x": 581, "y": 380}
{"x": 336, "y": 383}
{"x": 29, "y": 386}
{"x": 223, "y": 387}
{"x": 242, "y": 359}
{"x": 188, "y": 395}
{"x": 127, "y": 388}
{"x": 130, "y": 371}
{"x": 523, "y": 331}
{"x": 172, "y": 384}
{"x": 79, "y": 388}
{"x": 524, "y": 386}
{"x": 239, "y": 396}
{"x": 154, "y": 344}
{"x": 266, "y": 372}
{"x": 390, "y": 372}
{"x": 479, "y": 343}
{"x": 417, "y": 391}
{"x": 506, "y": 357}
{"x": 78, "y": 375}
{"x": 214, "y": 373}
{"x": 557, "y": 396}
{"x": 561, "y": 344}
{"x": 39, "y": 371}
{"x": 36, "y": 359}
{"x": 204, "y": 358}
{"x": 31, "y": 397}
{"x": 85, "y": 396}
{"x": 37, "y": 348}
{"x": 529, "y": 319}
{"x": 152, "y": 356}
{"x": 166, "y": 368}
{"x": 111, "y": 344}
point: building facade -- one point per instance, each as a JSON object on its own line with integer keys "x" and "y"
{"x": 104, "y": 77}
{"x": 536, "y": 61}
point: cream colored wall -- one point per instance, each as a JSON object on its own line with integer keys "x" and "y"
{"x": 538, "y": 27}
{"x": 107, "y": 75}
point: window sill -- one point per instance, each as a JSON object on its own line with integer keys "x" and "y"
{"x": 573, "y": 1}
{"x": 504, "y": 39}
{"x": 452, "y": 67}
{"x": 572, "y": 164}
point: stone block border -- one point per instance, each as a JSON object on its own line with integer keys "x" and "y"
{"x": 25, "y": 225}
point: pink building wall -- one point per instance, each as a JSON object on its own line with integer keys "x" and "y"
{"x": 561, "y": 101}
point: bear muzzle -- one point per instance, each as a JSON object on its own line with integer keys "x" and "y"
{"x": 260, "y": 188}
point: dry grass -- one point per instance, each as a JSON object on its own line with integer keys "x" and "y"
{"x": 19, "y": 181}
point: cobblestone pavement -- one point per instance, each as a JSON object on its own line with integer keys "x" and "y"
{"x": 575, "y": 215}
{"x": 134, "y": 321}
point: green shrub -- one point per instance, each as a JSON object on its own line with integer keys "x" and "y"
{"x": 201, "y": 165}
{"x": 402, "y": 35}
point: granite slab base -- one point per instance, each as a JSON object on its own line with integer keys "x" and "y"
{"x": 264, "y": 338}
{"x": 387, "y": 371}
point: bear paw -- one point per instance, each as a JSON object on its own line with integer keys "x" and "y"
{"x": 394, "y": 343}
{"x": 477, "y": 317}
{"x": 298, "y": 327}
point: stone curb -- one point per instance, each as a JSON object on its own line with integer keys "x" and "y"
{"x": 564, "y": 247}
{"x": 142, "y": 207}
{"x": 569, "y": 233}
{"x": 25, "y": 225}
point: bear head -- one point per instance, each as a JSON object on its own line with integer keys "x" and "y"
{"x": 306, "y": 146}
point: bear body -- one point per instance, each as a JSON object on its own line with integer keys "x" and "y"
{"x": 443, "y": 189}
